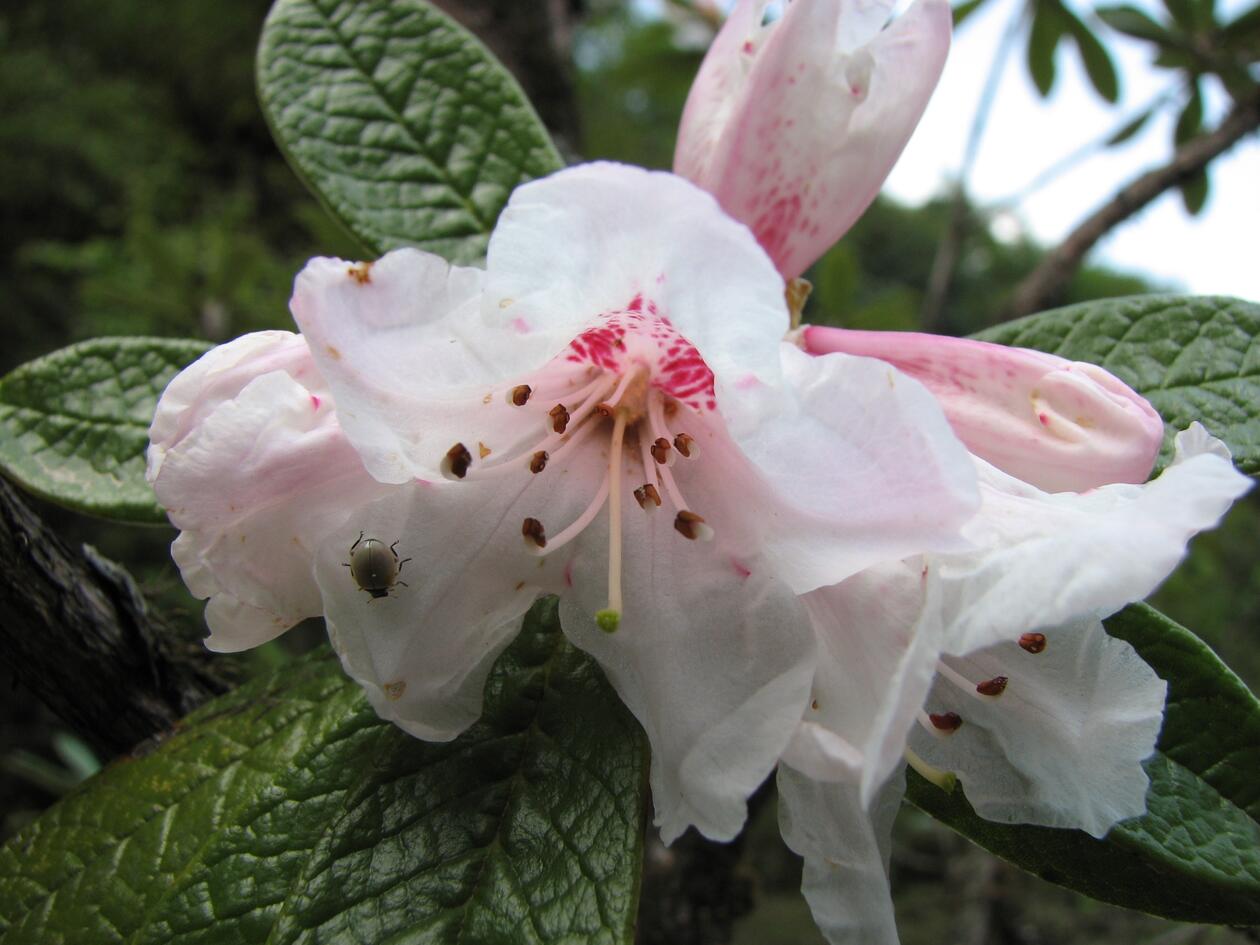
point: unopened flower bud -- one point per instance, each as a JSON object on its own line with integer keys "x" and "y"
{"x": 794, "y": 124}
{"x": 1060, "y": 425}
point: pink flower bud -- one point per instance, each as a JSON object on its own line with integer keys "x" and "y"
{"x": 1063, "y": 426}
{"x": 794, "y": 125}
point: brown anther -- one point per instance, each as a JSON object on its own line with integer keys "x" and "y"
{"x": 458, "y": 459}
{"x": 1033, "y": 642}
{"x": 992, "y": 687}
{"x": 690, "y": 525}
{"x": 660, "y": 450}
{"x": 604, "y": 409}
{"x": 538, "y": 462}
{"x": 559, "y": 418}
{"x": 945, "y": 721}
{"x": 647, "y": 493}
{"x": 671, "y": 407}
{"x": 532, "y": 529}
{"x": 519, "y": 395}
{"x": 685, "y": 443}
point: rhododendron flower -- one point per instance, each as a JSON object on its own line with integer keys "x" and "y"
{"x": 608, "y": 413}
{"x": 992, "y": 665}
{"x": 1060, "y": 425}
{"x": 793, "y": 125}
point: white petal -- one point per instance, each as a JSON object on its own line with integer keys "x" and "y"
{"x": 219, "y": 375}
{"x": 592, "y": 238}
{"x": 863, "y": 463}
{"x": 846, "y": 848}
{"x": 1047, "y": 559}
{"x": 254, "y": 486}
{"x": 404, "y": 353}
{"x": 422, "y": 652}
{"x": 879, "y": 638}
{"x": 417, "y": 354}
{"x": 714, "y": 654}
{"x": 1062, "y": 746}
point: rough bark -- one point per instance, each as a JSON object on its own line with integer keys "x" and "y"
{"x": 1045, "y": 284}
{"x": 75, "y": 631}
{"x": 534, "y": 40}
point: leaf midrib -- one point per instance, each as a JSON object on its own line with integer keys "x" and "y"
{"x": 442, "y": 171}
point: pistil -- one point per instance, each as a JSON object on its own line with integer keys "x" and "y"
{"x": 609, "y": 619}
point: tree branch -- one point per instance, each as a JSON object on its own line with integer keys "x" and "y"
{"x": 1044, "y": 285}
{"x": 74, "y": 629}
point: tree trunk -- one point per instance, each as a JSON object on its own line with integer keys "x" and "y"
{"x": 75, "y": 631}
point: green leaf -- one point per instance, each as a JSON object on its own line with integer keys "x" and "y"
{"x": 1195, "y": 854}
{"x": 1243, "y": 29}
{"x": 1193, "y": 357}
{"x": 1128, "y": 131}
{"x": 1133, "y": 22}
{"x": 1194, "y": 191}
{"x": 1048, "y": 27}
{"x": 1098, "y": 64}
{"x": 1183, "y": 13}
{"x": 74, "y": 424}
{"x": 288, "y": 812}
{"x": 964, "y": 10}
{"x": 1191, "y": 118}
{"x": 400, "y": 120}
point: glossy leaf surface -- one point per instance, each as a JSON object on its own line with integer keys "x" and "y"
{"x": 74, "y": 424}
{"x": 288, "y": 812}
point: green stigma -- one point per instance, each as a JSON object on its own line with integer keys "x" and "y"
{"x": 608, "y": 620}
{"x": 945, "y": 780}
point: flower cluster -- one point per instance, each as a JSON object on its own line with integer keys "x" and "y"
{"x": 827, "y": 551}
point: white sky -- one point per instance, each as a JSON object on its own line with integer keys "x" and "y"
{"x": 1215, "y": 252}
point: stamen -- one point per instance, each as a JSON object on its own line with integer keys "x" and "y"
{"x": 518, "y": 396}
{"x": 690, "y": 525}
{"x": 626, "y": 379}
{"x": 604, "y": 409}
{"x": 1033, "y": 642}
{"x": 992, "y": 687}
{"x": 945, "y": 780}
{"x": 661, "y": 452}
{"x": 456, "y": 462}
{"x": 579, "y": 524}
{"x": 983, "y": 691}
{"x": 647, "y": 497}
{"x": 559, "y": 418}
{"x": 538, "y": 462}
{"x": 656, "y": 410}
{"x": 948, "y": 722}
{"x": 645, "y": 452}
{"x": 534, "y": 534}
{"x": 553, "y": 443}
{"x": 686, "y": 445}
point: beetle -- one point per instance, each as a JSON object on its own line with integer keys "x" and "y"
{"x": 375, "y": 566}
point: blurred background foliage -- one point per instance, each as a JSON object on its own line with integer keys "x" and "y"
{"x": 140, "y": 193}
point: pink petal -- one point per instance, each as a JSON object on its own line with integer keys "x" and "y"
{"x": 1058, "y": 425}
{"x": 799, "y": 147}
